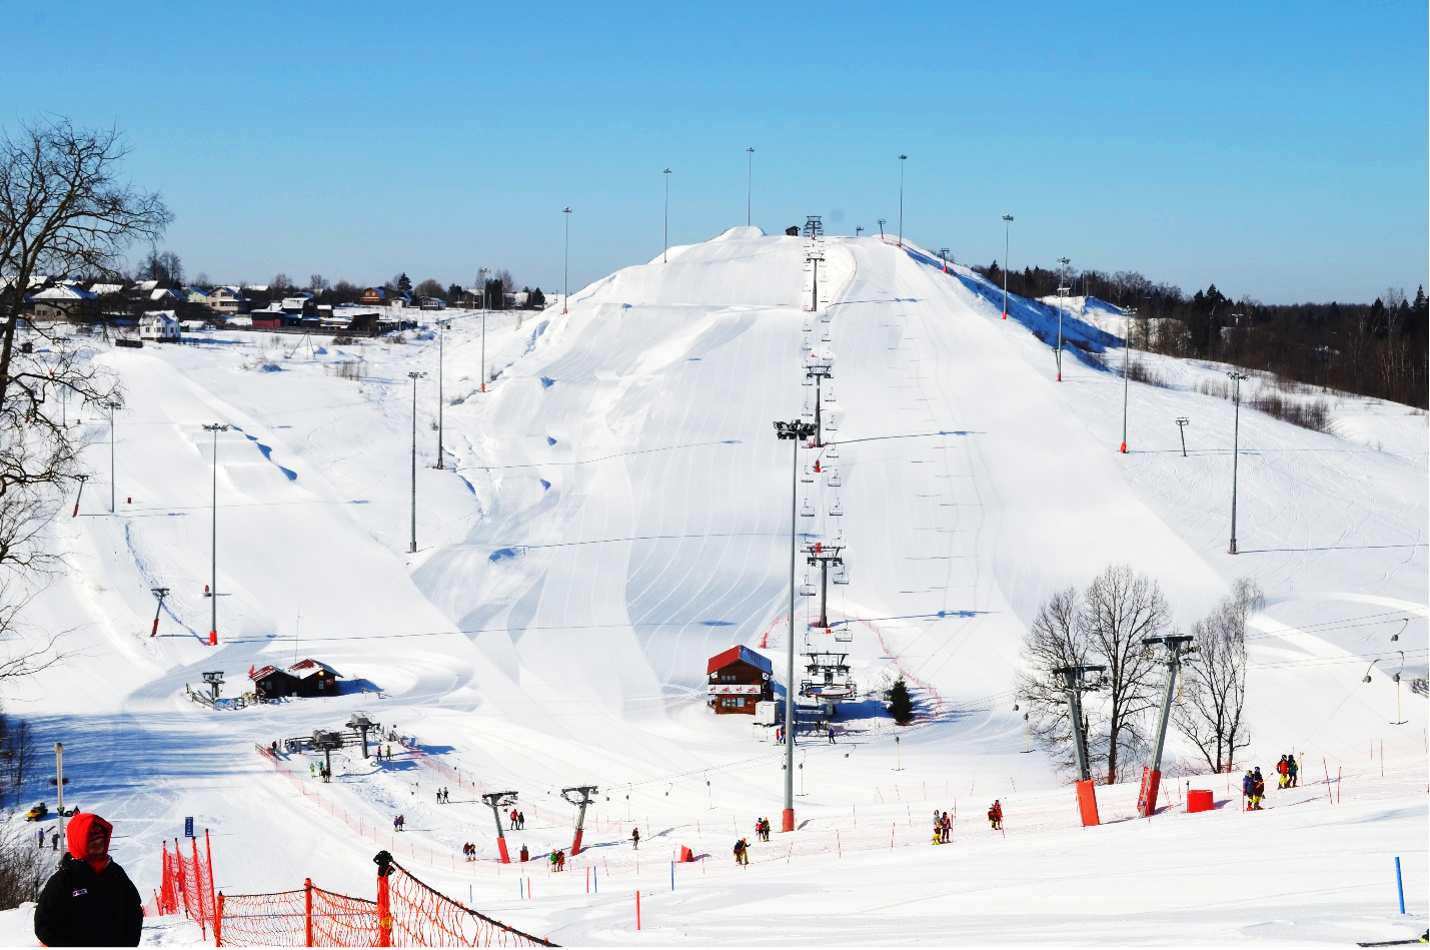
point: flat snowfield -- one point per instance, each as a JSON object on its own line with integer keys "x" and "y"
{"x": 614, "y": 509}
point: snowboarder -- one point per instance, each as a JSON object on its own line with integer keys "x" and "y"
{"x": 90, "y": 901}
{"x": 742, "y": 849}
{"x": 1281, "y": 774}
{"x": 635, "y": 839}
{"x": 1292, "y": 770}
{"x": 995, "y": 816}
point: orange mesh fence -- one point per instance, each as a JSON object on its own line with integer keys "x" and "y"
{"x": 311, "y": 917}
{"x": 187, "y": 884}
{"x": 423, "y": 917}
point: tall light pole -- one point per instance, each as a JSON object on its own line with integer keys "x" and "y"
{"x": 749, "y": 181}
{"x": 441, "y": 340}
{"x": 414, "y": 377}
{"x": 1235, "y": 439}
{"x": 665, "y": 254}
{"x": 858, "y": 230}
{"x": 1062, "y": 295}
{"x": 1007, "y": 226}
{"x": 1126, "y": 367}
{"x": 482, "y": 276}
{"x": 902, "y": 159}
{"x": 111, "y": 405}
{"x": 796, "y": 431}
{"x": 566, "y": 263}
{"x": 881, "y": 229}
{"x": 215, "y": 428}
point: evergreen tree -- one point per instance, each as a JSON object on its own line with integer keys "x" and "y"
{"x": 901, "y": 706}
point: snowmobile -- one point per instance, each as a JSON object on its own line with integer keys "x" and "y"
{"x": 38, "y": 813}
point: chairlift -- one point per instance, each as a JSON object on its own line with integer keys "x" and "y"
{"x": 832, "y": 452}
{"x": 836, "y": 510}
{"x": 840, "y": 576}
{"x": 831, "y": 424}
{"x": 806, "y": 475}
{"x": 829, "y": 394}
{"x": 834, "y": 480}
{"x": 807, "y": 325}
{"x": 805, "y": 345}
{"x": 805, "y": 511}
{"x": 825, "y": 337}
{"x": 807, "y": 412}
{"x": 806, "y": 589}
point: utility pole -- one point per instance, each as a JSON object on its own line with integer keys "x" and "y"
{"x": 1175, "y": 648}
{"x": 1126, "y": 368}
{"x": 824, "y": 556}
{"x": 580, "y": 796}
{"x": 1182, "y": 423}
{"x": 414, "y": 376}
{"x": 160, "y": 593}
{"x": 566, "y": 264}
{"x": 441, "y": 341}
{"x": 902, "y": 159}
{"x": 818, "y": 372}
{"x": 796, "y": 431}
{"x": 111, "y": 405}
{"x": 60, "y": 785}
{"x": 749, "y": 182}
{"x": 1007, "y": 225}
{"x": 1062, "y": 296}
{"x": 665, "y": 254}
{"x": 482, "y": 276}
{"x": 1235, "y": 440}
{"x": 216, "y": 428}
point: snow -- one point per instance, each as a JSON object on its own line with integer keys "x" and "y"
{"x": 614, "y": 510}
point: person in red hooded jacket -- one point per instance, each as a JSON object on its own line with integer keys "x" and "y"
{"x": 90, "y": 901}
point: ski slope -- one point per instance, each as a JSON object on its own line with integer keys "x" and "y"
{"x": 615, "y": 509}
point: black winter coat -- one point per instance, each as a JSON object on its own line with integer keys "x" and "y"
{"x": 79, "y": 908}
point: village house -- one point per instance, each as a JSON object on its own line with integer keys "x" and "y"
{"x": 63, "y": 302}
{"x": 738, "y": 679}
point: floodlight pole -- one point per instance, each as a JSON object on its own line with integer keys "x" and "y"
{"x": 1007, "y": 225}
{"x": 414, "y": 376}
{"x": 111, "y": 405}
{"x": 1126, "y": 367}
{"x": 858, "y": 231}
{"x": 566, "y": 264}
{"x": 1235, "y": 439}
{"x": 1182, "y": 423}
{"x": 60, "y": 784}
{"x": 749, "y": 182}
{"x": 796, "y": 431}
{"x": 441, "y": 341}
{"x": 881, "y": 229}
{"x": 902, "y": 159}
{"x": 216, "y": 428}
{"x": 1175, "y": 647}
{"x": 1062, "y": 295}
{"x": 665, "y": 254}
{"x": 79, "y": 494}
{"x": 482, "y": 276}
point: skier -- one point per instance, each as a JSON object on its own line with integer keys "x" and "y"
{"x": 937, "y": 829}
{"x": 741, "y": 852}
{"x": 41, "y": 842}
{"x": 312, "y": 770}
{"x": 1258, "y": 786}
{"x": 635, "y": 839}
{"x": 90, "y": 901}
{"x": 947, "y": 827}
{"x": 551, "y": 860}
{"x": 1292, "y": 770}
{"x": 995, "y": 816}
{"x": 389, "y": 753}
{"x": 55, "y": 841}
{"x": 1281, "y": 774}
{"x": 561, "y": 860}
{"x": 831, "y": 735}
{"x": 521, "y": 820}
{"x": 1248, "y": 789}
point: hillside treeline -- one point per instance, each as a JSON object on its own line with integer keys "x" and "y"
{"x": 1376, "y": 349}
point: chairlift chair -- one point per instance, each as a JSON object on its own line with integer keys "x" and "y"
{"x": 806, "y": 589}
{"x": 831, "y": 424}
{"x": 805, "y": 475}
{"x": 808, "y": 411}
{"x": 805, "y": 344}
{"x": 829, "y": 394}
{"x": 807, "y": 381}
{"x": 836, "y": 510}
{"x": 840, "y": 576}
{"x": 805, "y": 511}
{"x": 843, "y": 633}
{"x": 825, "y": 315}
{"x": 807, "y": 325}
{"x": 832, "y": 452}
{"x": 825, "y": 337}
{"x": 834, "y": 480}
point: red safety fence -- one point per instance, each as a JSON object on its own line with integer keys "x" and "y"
{"x": 407, "y": 913}
{"x": 187, "y": 884}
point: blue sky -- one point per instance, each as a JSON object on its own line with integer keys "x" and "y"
{"x": 1279, "y": 150}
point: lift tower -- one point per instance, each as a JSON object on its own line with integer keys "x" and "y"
{"x": 580, "y": 796}
{"x": 498, "y": 801}
{"x": 824, "y": 555}
{"x": 1075, "y": 683}
{"x": 1175, "y": 648}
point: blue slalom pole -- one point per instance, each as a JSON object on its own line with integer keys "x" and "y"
{"x": 595, "y": 880}
{"x": 521, "y": 888}
{"x": 672, "y": 875}
{"x": 1399, "y": 886}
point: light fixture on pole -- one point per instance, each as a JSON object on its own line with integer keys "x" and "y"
{"x": 441, "y": 340}
{"x": 215, "y": 428}
{"x": 482, "y": 276}
{"x": 1235, "y": 439}
{"x": 881, "y": 229}
{"x": 414, "y": 376}
{"x": 858, "y": 230}
{"x": 111, "y": 405}
{"x": 1182, "y": 423}
{"x": 665, "y": 254}
{"x": 566, "y": 263}
{"x": 796, "y": 431}
{"x": 1007, "y": 225}
{"x": 902, "y": 159}
{"x": 1126, "y": 373}
{"x": 749, "y": 182}
{"x": 1062, "y": 296}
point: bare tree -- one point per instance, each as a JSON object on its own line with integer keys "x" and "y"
{"x": 64, "y": 209}
{"x": 1121, "y": 609}
{"x": 431, "y": 287}
{"x": 1057, "y": 638}
{"x": 1214, "y": 684}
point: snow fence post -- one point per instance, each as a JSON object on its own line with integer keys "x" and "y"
{"x": 218, "y": 920}
{"x": 209, "y": 857}
{"x": 199, "y": 886}
{"x": 383, "y": 860}
{"x": 307, "y": 911}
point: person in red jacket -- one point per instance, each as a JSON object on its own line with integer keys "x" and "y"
{"x": 89, "y": 901}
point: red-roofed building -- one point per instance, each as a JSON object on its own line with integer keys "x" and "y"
{"x": 739, "y": 678}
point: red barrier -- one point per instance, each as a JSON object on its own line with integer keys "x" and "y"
{"x": 1087, "y": 804}
{"x": 1200, "y": 799}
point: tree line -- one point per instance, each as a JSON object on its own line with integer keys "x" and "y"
{"x": 1377, "y": 349}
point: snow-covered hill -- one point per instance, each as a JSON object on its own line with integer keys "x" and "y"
{"x": 615, "y": 509}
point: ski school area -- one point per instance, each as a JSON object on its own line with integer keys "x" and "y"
{"x": 400, "y": 607}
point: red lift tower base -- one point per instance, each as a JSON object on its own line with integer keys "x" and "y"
{"x": 501, "y": 846}
{"x": 1147, "y": 795}
{"x": 1087, "y": 804}
{"x": 576, "y": 845}
{"x": 787, "y": 821}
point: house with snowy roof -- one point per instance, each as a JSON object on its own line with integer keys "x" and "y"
{"x": 738, "y": 679}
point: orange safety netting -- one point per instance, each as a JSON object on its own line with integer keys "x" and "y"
{"x": 187, "y": 884}
{"x": 311, "y": 917}
{"x": 423, "y": 917}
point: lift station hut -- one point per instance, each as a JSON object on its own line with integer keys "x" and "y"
{"x": 738, "y": 679}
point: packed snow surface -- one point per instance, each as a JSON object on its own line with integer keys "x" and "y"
{"x": 614, "y": 509}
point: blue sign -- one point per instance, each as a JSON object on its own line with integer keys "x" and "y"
{"x": 188, "y": 827}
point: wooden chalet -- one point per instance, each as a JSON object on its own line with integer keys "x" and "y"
{"x": 304, "y": 678}
{"x": 738, "y": 679}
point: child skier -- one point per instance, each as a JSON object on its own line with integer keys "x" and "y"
{"x": 995, "y": 816}
{"x": 1258, "y": 787}
{"x": 1248, "y": 789}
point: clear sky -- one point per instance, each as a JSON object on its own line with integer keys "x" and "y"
{"x": 1278, "y": 150}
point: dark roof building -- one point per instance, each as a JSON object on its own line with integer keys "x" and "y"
{"x": 738, "y": 678}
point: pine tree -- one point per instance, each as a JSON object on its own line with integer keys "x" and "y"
{"x": 901, "y": 707}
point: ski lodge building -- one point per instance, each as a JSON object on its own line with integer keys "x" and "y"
{"x": 304, "y": 678}
{"x": 739, "y": 678}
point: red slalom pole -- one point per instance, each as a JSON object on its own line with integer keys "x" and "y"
{"x": 638, "y": 910}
